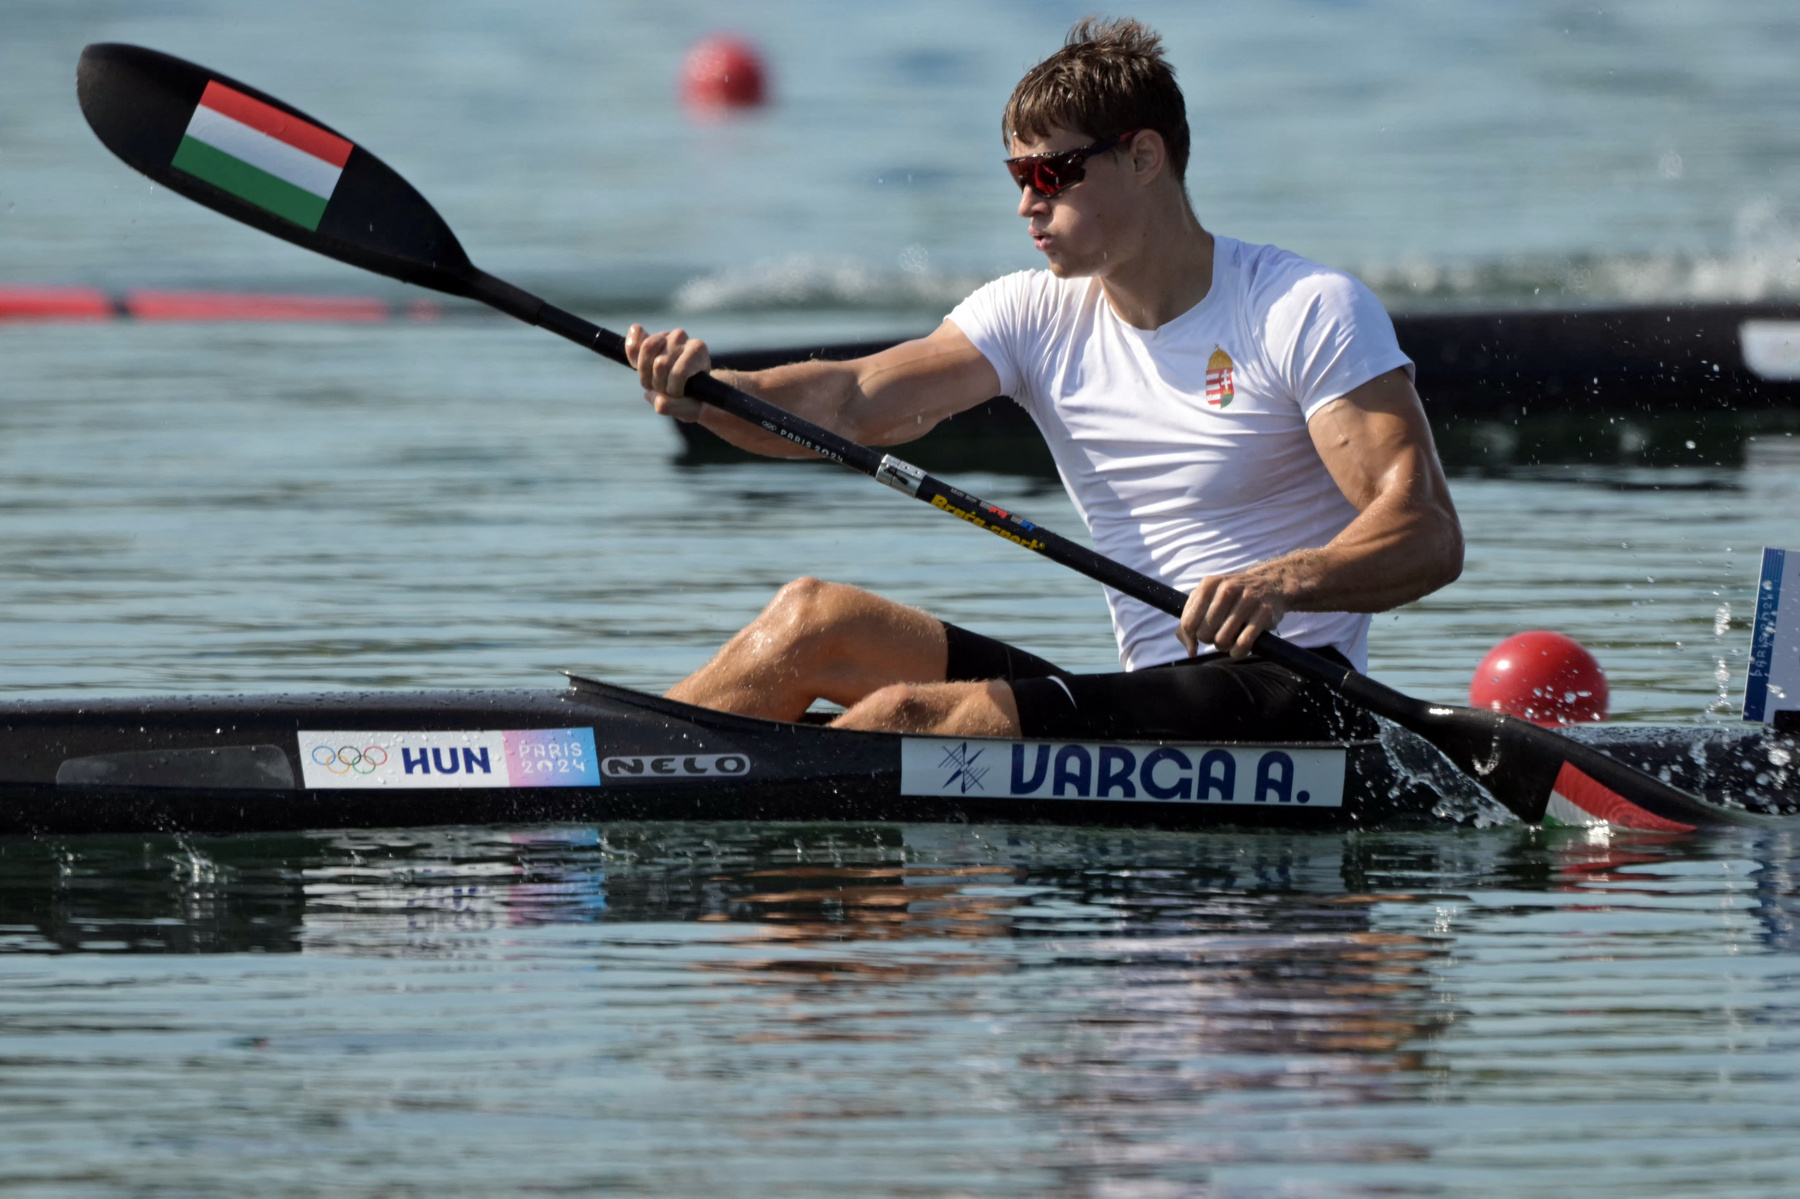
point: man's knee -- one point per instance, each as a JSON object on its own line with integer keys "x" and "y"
{"x": 901, "y": 708}
{"x": 984, "y": 709}
{"x": 800, "y": 597}
{"x": 804, "y": 610}
{"x": 815, "y": 603}
{"x": 812, "y": 620}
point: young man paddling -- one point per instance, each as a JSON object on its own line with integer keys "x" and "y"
{"x": 1231, "y": 418}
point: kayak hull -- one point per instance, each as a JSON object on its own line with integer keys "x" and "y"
{"x": 258, "y": 763}
{"x": 594, "y": 752}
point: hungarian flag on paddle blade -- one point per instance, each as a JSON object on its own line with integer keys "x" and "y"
{"x": 262, "y": 155}
{"x": 1579, "y": 800}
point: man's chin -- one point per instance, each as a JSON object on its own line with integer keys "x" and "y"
{"x": 1062, "y": 268}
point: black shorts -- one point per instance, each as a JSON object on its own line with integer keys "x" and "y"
{"x": 1211, "y": 697}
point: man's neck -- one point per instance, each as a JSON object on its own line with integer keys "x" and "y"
{"x": 1169, "y": 271}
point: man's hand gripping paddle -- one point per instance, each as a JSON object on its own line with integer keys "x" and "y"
{"x": 262, "y": 162}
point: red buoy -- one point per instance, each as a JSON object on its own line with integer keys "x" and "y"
{"x": 1544, "y": 677}
{"x": 723, "y": 72}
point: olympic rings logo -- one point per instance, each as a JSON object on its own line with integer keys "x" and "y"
{"x": 348, "y": 759}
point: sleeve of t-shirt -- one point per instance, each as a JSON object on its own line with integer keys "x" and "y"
{"x": 995, "y": 318}
{"x": 1329, "y": 335}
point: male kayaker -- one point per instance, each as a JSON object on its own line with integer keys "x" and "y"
{"x": 1228, "y": 417}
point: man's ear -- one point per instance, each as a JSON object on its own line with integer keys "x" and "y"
{"x": 1149, "y": 156}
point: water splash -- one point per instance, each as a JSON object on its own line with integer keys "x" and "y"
{"x": 1762, "y": 262}
{"x": 1418, "y": 766}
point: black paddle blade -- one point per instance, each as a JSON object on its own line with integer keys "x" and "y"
{"x": 248, "y": 155}
{"x": 1544, "y": 777}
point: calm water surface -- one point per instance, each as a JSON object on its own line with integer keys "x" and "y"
{"x": 737, "y": 1009}
{"x": 880, "y": 1010}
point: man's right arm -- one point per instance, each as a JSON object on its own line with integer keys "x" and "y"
{"x": 883, "y": 399}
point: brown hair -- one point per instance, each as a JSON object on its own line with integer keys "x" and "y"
{"x": 1109, "y": 78}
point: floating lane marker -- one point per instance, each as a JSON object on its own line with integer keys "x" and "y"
{"x": 156, "y": 305}
{"x": 262, "y": 155}
{"x": 438, "y": 759}
{"x": 30, "y": 302}
{"x": 1580, "y": 801}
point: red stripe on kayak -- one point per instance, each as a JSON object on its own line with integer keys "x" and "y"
{"x": 55, "y": 304}
{"x": 265, "y": 118}
{"x": 1603, "y": 803}
{"x": 148, "y": 305}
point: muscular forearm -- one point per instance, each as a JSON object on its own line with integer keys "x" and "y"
{"x": 1405, "y": 543}
{"x": 1396, "y": 551}
{"x": 815, "y": 391}
{"x": 888, "y": 397}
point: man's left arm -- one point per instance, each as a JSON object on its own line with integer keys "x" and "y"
{"x": 1405, "y": 542}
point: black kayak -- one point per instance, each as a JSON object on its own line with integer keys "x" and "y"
{"x": 595, "y": 752}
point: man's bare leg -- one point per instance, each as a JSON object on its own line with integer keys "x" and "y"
{"x": 985, "y": 709}
{"x": 818, "y": 640}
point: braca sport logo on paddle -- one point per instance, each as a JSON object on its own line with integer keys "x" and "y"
{"x": 261, "y": 155}
{"x": 1219, "y": 389}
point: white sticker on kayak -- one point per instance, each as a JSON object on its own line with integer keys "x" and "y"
{"x": 1214, "y": 774}
{"x": 1771, "y": 348}
{"x": 439, "y": 759}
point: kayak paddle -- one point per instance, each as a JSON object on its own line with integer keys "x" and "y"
{"x": 255, "y": 159}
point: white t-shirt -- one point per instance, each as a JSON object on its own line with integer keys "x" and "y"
{"x": 1185, "y": 447}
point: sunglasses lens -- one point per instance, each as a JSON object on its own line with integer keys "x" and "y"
{"x": 1046, "y": 176}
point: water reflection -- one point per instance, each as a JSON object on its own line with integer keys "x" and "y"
{"x": 1011, "y": 1011}
{"x": 153, "y": 895}
{"x": 1647, "y": 866}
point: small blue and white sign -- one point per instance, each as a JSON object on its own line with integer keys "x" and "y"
{"x": 1773, "y": 684}
{"x": 1218, "y": 774}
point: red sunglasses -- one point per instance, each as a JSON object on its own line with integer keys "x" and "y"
{"x": 1048, "y": 174}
